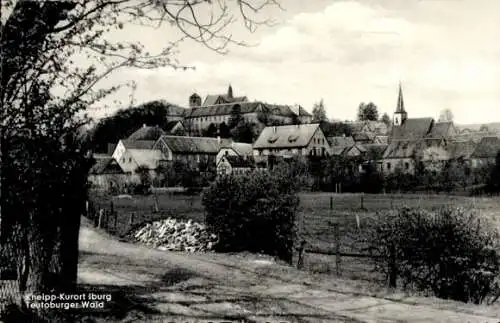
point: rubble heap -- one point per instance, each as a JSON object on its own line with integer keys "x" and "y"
{"x": 175, "y": 235}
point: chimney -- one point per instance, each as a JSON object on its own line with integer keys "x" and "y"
{"x": 343, "y": 135}
{"x": 144, "y": 125}
{"x": 274, "y": 129}
{"x": 218, "y": 140}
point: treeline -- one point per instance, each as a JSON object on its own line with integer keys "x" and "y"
{"x": 125, "y": 122}
{"x": 354, "y": 174}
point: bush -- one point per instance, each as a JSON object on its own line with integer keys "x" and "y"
{"x": 253, "y": 212}
{"x": 449, "y": 252}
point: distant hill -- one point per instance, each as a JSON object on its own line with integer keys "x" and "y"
{"x": 125, "y": 122}
{"x": 492, "y": 126}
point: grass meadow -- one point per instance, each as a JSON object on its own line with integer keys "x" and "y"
{"x": 317, "y": 216}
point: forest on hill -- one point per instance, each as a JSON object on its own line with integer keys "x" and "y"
{"x": 125, "y": 122}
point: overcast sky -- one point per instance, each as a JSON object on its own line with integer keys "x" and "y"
{"x": 446, "y": 53}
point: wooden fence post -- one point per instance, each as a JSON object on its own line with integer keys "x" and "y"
{"x": 131, "y": 220}
{"x": 300, "y": 261}
{"x": 337, "y": 248}
{"x": 331, "y": 202}
{"x": 362, "y": 202}
{"x": 116, "y": 222}
{"x": 393, "y": 274}
{"x": 101, "y": 219}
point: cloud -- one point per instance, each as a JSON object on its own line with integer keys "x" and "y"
{"x": 445, "y": 53}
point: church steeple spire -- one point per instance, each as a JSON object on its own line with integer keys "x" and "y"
{"x": 401, "y": 104}
{"x": 400, "y": 115}
{"x": 230, "y": 92}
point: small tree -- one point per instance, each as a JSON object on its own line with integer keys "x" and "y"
{"x": 494, "y": 178}
{"x": 211, "y": 131}
{"x": 319, "y": 112}
{"x": 484, "y": 128}
{"x": 243, "y": 132}
{"x": 445, "y": 115}
{"x": 224, "y": 130}
{"x": 253, "y": 212}
{"x": 367, "y": 112}
{"x": 145, "y": 178}
{"x": 236, "y": 116}
{"x": 386, "y": 119}
{"x": 450, "y": 252}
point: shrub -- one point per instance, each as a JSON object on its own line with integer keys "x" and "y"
{"x": 450, "y": 252}
{"x": 253, "y": 212}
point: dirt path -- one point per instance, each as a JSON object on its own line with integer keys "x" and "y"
{"x": 154, "y": 286}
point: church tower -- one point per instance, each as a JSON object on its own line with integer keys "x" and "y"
{"x": 400, "y": 115}
{"x": 230, "y": 92}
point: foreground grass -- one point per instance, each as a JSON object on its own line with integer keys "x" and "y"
{"x": 318, "y": 214}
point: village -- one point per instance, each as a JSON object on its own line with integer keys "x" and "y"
{"x": 249, "y": 161}
{"x": 287, "y": 132}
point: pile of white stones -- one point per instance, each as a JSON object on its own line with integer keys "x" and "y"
{"x": 175, "y": 235}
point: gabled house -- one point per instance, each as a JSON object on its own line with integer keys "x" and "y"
{"x": 292, "y": 140}
{"x": 234, "y": 165}
{"x": 485, "y": 152}
{"x": 133, "y": 154}
{"x": 363, "y": 137}
{"x": 401, "y": 155}
{"x": 243, "y": 150}
{"x": 373, "y": 155}
{"x": 378, "y": 128}
{"x": 106, "y": 173}
{"x": 147, "y": 133}
{"x": 341, "y": 141}
{"x": 461, "y": 150}
{"x": 198, "y": 152}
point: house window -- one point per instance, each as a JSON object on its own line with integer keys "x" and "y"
{"x": 388, "y": 165}
{"x": 123, "y": 159}
{"x": 130, "y": 159}
{"x": 407, "y": 166}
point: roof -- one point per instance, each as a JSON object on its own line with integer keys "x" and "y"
{"x": 170, "y": 125}
{"x": 339, "y": 150}
{"x": 372, "y": 125}
{"x": 211, "y": 99}
{"x": 111, "y": 148}
{"x": 147, "y": 157}
{"x": 138, "y": 144}
{"x": 304, "y": 112}
{"x": 381, "y": 140}
{"x": 245, "y": 107}
{"x": 488, "y": 147}
{"x": 240, "y": 162}
{"x": 286, "y": 136}
{"x": 362, "y": 136}
{"x": 341, "y": 141}
{"x": 412, "y": 129}
{"x": 242, "y": 149}
{"x": 194, "y": 145}
{"x": 223, "y": 109}
{"x": 105, "y": 165}
{"x": 461, "y": 149}
{"x": 147, "y": 133}
{"x": 403, "y": 149}
{"x": 376, "y": 149}
{"x": 440, "y": 129}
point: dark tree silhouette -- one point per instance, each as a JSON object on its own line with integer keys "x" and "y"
{"x": 41, "y": 212}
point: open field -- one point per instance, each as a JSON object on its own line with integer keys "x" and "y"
{"x": 318, "y": 213}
